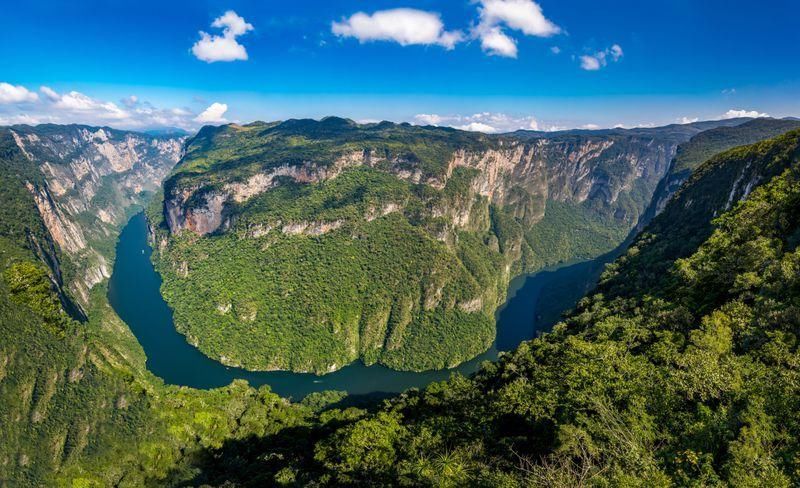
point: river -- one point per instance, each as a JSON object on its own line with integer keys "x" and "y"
{"x": 535, "y": 302}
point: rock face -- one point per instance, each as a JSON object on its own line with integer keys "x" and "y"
{"x": 694, "y": 152}
{"x": 90, "y": 177}
{"x": 521, "y": 175}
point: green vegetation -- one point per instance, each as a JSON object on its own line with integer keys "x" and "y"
{"x": 77, "y": 406}
{"x": 376, "y": 287}
{"x": 680, "y": 370}
{"x": 239, "y": 151}
{"x": 704, "y": 145}
{"x": 691, "y": 380}
{"x": 368, "y": 242}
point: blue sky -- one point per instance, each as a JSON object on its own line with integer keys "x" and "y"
{"x": 480, "y": 64}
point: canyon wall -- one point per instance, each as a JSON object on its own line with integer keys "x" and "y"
{"x": 90, "y": 179}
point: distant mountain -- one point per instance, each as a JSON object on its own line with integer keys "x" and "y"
{"x": 167, "y": 131}
{"x": 677, "y": 131}
{"x": 704, "y": 145}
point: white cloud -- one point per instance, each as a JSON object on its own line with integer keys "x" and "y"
{"x": 77, "y": 102}
{"x": 77, "y": 107}
{"x": 496, "y": 43}
{"x": 478, "y": 127}
{"x": 590, "y": 126}
{"x": 555, "y": 50}
{"x": 729, "y": 91}
{"x": 616, "y": 52}
{"x": 489, "y": 122}
{"x": 24, "y": 118}
{"x": 600, "y": 59}
{"x": 16, "y": 94}
{"x": 49, "y": 93}
{"x": 428, "y": 119}
{"x": 687, "y": 120}
{"x": 404, "y": 26}
{"x": 522, "y": 15}
{"x": 590, "y": 63}
{"x": 735, "y": 114}
{"x": 211, "y": 48}
{"x": 214, "y": 114}
{"x": 408, "y": 26}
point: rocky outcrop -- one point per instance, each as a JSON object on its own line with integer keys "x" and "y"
{"x": 520, "y": 175}
{"x": 207, "y": 217}
{"x": 90, "y": 176}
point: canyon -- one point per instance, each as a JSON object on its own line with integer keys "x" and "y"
{"x": 368, "y": 242}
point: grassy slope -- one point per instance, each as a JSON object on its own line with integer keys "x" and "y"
{"x": 691, "y": 380}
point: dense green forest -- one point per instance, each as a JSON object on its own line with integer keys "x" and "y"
{"x": 681, "y": 369}
{"x": 316, "y": 303}
{"x": 306, "y": 245}
{"x": 687, "y": 377}
{"x": 77, "y": 406}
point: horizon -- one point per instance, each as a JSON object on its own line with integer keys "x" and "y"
{"x": 492, "y": 66}
{"x": 168, "y": 129}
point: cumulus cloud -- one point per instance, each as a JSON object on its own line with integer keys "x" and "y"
{"x": 407, "y": 26}
{"x": 76, "y": 107}
{"x": 212, "y": 48}
{"x": 522, "y": 15}
{"x": 488, "y": 122}
{"x": 49, "y": 93}
{"x": 600, "y": 59}
{"x": 214, "y": 114}
{"x": 77, "y": 102}
{"x": 687, "y": 120}
{"x": 525, "y": 16}
{"x": 590, "y": 63}
{"x": 495, "y": 42}
{"x": 428, "y": 119}
{"x": 16, "y": 94}
{"x": 404, "y": 26}
{"x": 479, "y": 127}
{"x": 737, "y": 113}
{"x": 555, "y": 50}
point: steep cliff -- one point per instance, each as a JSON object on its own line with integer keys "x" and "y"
{"x": 90, "y": 179}
{"x": 306, "y": 244}
{"x": 692, "y": 153}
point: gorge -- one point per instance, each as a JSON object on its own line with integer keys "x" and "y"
{"x": 306, "y": 245}
{"x": 174, "y": 425}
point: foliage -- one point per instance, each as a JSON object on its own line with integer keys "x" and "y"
{"x": 377, "y": 288}
{"x": 400, "y": 261}
{"x": 689, "y": 381}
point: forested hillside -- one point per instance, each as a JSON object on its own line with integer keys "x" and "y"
{"x": 77, "y": 406}
{"x": 682, "y": 369}
{"x": 706, "y": 144}
{"x": 687, "y": 377}
{"x": 306, "y": 245}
